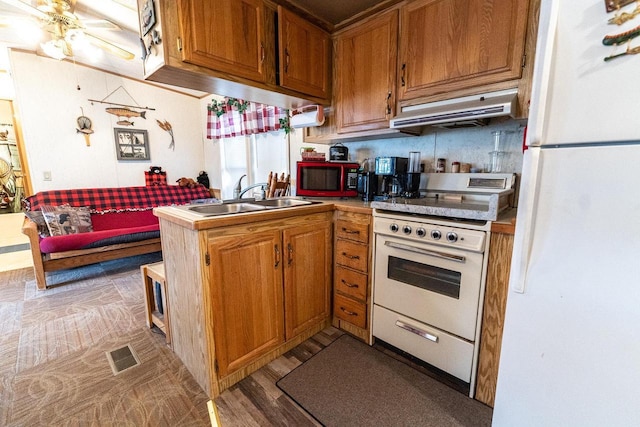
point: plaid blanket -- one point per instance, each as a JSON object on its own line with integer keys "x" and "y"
{"x": 117, "y": 199}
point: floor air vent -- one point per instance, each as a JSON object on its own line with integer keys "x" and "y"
{"x": 122, "y": 359}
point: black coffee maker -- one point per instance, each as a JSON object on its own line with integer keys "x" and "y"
{"x": 411, "y": 185}
{"x": 391, "y": 173}
{"x": 367, "y": 185}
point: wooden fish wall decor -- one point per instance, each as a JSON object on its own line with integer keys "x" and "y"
{"x": 126, "y": 113}
{"x": 620, "y": 38}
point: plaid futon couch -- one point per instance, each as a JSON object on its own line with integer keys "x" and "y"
{"x": 70, "y": 228}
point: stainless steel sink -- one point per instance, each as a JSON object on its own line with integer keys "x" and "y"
{"x": 225, "y": 208}
{"x": 281, "y": 203}
{"x": 231, "y": 207}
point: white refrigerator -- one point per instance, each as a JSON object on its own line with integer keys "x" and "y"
{"x": 571, "y": 345}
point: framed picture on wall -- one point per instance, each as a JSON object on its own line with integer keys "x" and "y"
{"x": 148, "y": 15}
{"x": 132, "y": 144}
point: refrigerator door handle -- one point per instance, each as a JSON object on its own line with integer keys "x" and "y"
{"x": 525, "y": 221}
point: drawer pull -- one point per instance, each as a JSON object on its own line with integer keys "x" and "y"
{"x": 349, "y": 285}
{"x": 346, "y": 230}
{"x": 350, "y": 313}
{"x": 417, "y": 331}
{"x": 290, "y": 256}
{"x": 350, "y": 256}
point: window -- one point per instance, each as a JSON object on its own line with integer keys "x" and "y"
{"x": 255, "y": 156}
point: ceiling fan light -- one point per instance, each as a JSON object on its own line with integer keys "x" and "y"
{"x": 53, "y": 49}
{"x": 77, "y": 38}
{"x": 29, "y": 32}
{"x": 93, "y": 53}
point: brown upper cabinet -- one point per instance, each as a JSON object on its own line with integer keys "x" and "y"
{"x": 448, "y": 45}
{"x": 227, "y": 36}
{"x": 366, "y": 57}
{"x": 304, "y": 55}
{"x": 230, "y": 48}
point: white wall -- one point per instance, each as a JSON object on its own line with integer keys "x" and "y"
{"x": 211, "y": 155}
{"x": 49, "y": 103}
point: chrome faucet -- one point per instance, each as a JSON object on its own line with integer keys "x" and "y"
{"x": 237, "y": 189}
{"x": 264, "y": 186}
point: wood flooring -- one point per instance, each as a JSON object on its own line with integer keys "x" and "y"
{"x": 54, "y": 370}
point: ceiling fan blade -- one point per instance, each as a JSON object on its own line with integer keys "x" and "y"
{"x": 26, "y": 8}
{"x": 109, "y": 47}
{"x": 100, "y": 24}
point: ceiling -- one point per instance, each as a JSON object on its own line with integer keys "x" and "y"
{"x": 123, "y": 13}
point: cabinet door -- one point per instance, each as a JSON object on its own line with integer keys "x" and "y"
{"x": 305, "y": 55}
{"x": 307, "y": 276}
{"x": 366, "y": 74}
{"x": 224, "y": 35}
{"x": 448, "y": 45}
{"x": 246, "y": 289}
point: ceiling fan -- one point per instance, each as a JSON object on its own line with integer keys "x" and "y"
{"x": 66, "y": 30}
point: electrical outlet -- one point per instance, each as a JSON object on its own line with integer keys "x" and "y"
{"x": 47, "y": 175}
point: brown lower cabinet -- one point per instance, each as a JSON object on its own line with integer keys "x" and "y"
{"x": 495, "y": 303}
{"x": 352, "y": 273}
{"x": 245, "y": 294}
{"x": 267, "y": 287}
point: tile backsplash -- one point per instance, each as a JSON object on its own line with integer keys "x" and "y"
{"x": 465, "y": 145}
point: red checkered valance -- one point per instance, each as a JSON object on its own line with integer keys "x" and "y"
{"x": 118, "y": 199}
{"x": 256, "y": 118}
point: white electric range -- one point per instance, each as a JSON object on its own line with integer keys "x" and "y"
{"x": 430, "y": 264}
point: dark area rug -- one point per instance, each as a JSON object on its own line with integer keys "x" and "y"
{"x": 351, "y": 384}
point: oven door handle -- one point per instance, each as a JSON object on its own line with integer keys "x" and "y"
{"x": 417, "y": 331}
{"x": 450, "y": 257}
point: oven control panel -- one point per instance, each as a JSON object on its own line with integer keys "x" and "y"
{"x": 438, "y": 234}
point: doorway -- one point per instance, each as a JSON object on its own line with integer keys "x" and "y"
{"x": 14, "y": 173}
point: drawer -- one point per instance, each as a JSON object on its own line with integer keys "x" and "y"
{"x": 353, "y": 255}
{"x": 350, "y": 311}
{"x": 351, "y": 283}
{"x": 440, "y": 349}
{"x": 352, "y": 231}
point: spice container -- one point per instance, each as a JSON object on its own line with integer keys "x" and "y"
{"x": 455, "y": 167}
{"x": 440, "y": 165}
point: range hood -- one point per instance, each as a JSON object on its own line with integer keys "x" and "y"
{"x": 465, "y": 111}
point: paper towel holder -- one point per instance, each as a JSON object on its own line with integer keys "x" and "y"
{"x": 307, "y": 116}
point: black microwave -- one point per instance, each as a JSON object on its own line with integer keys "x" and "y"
{"x": 327, "y": 179}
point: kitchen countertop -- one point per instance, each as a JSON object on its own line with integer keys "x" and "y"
{"x": 450, "y": 205}
{"x": 504, "y": 224}
{"x": 194, "y": 221}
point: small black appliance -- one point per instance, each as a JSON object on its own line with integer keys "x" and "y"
{"x": 367, "y": 185}
{"x": 391, "y": 173}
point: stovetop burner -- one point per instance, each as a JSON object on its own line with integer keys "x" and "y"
{"x": 456, "y": 195}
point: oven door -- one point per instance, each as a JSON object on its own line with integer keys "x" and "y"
{"x": 436, "y": 285}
